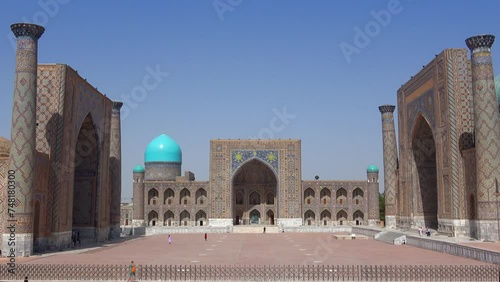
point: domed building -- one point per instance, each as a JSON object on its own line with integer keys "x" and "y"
{"x": 252, "y": 182}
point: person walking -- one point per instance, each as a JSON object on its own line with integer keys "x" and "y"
{"x": 131, "y": 271}
{"x": 206, "y": 236}
{"x": 169, "y": 239}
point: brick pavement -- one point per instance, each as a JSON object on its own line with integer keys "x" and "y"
{"x": 254, "y": 249}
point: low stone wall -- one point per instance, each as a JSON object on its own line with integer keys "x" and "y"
{"x": 365, "y": 231}
{"x": 156, "y": 230}
{"x": 317, "y": 229}
{"x": 454, "y": 249}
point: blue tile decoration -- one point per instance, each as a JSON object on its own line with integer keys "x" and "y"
{"x": 239, "y": 157}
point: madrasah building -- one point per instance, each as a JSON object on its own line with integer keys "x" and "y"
{"x": 252, "y": 182}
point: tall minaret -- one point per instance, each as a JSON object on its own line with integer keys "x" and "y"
{"x": 390, "y": 163}
{"x": 373, "y": 195}
{"x": 23, "y": 136}
{"x": 486, "y": 134}
{"x": 115, "y": 156}
{"x": 138, "y": 192}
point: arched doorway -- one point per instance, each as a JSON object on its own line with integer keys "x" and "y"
{"x": 358, "y": 217}
{"x": 326, "y": 216}
{"x": 185, "y": 218}
{"x": 309, "y": 217}
{"x": 341, "y": 217}
{"x": 201, "y": 218}
{"x": 239, "y": 217}
{"x": 308, "y": 196}
{"x": 201, "y": 196}
{"x": 168, "y": 218}
{"x": 270, "y": 217}
{"x": 85, "y": 182}
{"x": 254, "y": 189}
{"x": 152, "y": 218}
{"x": 425, "y": 181}
{"x": 326, "y": 195}
{"x": 341, "y": 196}
{"x": 255, "y": 217}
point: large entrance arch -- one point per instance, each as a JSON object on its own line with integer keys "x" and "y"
{"x": 86, "y": 164}
{"x": 254, "y": 193}
{"x": 425, "y": 174}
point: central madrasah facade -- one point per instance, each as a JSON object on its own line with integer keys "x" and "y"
{"x": 251, "y": 182}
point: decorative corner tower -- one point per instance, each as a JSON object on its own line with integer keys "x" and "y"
{"x": 487, "y": 135}
{"x": 373, "y": 195}
{"x": 115, "y": 156}
{"x": 23, "y": 136}
{"x": 138, "y": 194}
{"x": 390, "y": 163}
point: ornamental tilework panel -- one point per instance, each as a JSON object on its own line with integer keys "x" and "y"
{"x": 50, "y": 105}
{"x": 457, "y": 86}
{"x": 390, "y": 157}
{"x": 271, "y": 157}
{"x": 487, "y": 130}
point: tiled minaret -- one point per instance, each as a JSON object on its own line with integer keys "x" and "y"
{"x": 487, "y": 134}
{"x": 116, "y": 169}
{"x": 138, "y": 194}
{"x": 373, "y": 196}
{"x": 23, "y": 136}
{"x": 390, "y": 163}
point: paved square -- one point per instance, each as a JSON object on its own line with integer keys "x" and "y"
{"x": 251, "y": 249}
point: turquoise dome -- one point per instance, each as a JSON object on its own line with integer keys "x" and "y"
{"x": 138, "y": 169}
{"x": 372, "y": 168}
{"x": 163, "y": 149}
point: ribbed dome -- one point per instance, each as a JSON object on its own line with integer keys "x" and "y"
{"x": 4, "y": 147}
{"x": 163, "y": 149}
{"x": 138, "y": 169}
{"x": 372, "y": 169}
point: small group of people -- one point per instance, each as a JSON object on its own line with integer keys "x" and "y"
{"x": 75, "y": 237}
{"x": 421, "y": 231}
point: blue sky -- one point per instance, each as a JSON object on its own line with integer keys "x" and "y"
{"x": 234, "y": 64}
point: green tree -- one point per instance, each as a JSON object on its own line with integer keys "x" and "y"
{"x": 381, "y": 206}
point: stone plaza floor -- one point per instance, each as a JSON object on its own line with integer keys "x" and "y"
{"x": 247, "y": 249}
